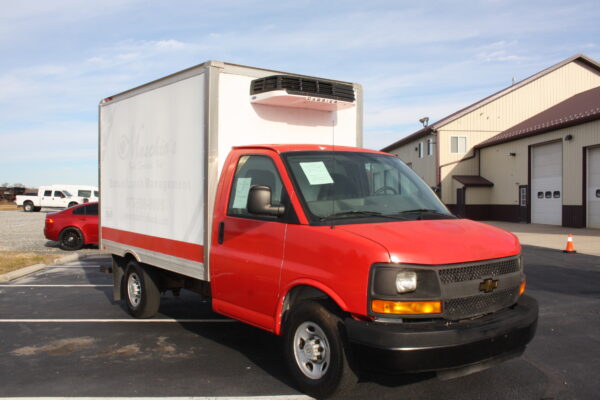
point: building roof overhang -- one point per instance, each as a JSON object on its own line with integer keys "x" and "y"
{"x": 473, "y": 180}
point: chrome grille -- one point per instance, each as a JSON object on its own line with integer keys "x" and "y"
{"x": 478, "y": 271}
{"x": 465, "y": 307}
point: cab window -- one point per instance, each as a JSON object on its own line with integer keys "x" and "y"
{"x": 251, "y": 171}
{"x": 90, "y": 209}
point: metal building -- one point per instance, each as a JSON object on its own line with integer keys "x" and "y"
{"x": 484, "y": 169}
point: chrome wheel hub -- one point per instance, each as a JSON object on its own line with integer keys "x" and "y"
{"x": 134, "y": 289}
{"x": 311, "y": 350}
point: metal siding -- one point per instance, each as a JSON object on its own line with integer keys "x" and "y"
{"x": 424, "y": 167}
{"x": 478, "y": 195}
{"x": 507, "y": 172}
{"x": 505, "y": 112}
{"x": 509, "y": 110}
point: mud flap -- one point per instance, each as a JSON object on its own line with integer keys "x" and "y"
{"x": 117, "y": 273}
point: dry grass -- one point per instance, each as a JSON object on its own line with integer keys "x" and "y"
{"x": 10, "y": 260}
{"x": 8, "y": 207}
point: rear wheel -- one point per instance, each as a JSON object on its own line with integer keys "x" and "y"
{"x": 37, "y": 209}
{"x": 28, "y": 206}
{"x": 141, "y": 292}
{"x": 71, "y": 239}
{"x": 316, "y": 351}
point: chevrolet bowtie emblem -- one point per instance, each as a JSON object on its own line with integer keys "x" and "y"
{"x": 488, "y": 285}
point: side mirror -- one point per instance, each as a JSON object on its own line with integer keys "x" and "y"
{"x": 259, "y": 202}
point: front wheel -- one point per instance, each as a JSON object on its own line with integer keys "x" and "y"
{"x": 317, "y": 352}
{"x": 72, "y": 204}
{"x": 141, "y": 291}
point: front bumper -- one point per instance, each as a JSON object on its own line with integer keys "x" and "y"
{"x": 442, "y": 345}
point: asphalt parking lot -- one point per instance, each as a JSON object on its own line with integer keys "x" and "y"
{"x": 62, "y": 335}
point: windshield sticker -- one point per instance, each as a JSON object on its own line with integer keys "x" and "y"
{"x": 316, "y": 173}
{"x": 242, "y": 188}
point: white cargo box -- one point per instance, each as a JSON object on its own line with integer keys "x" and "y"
{"x": 163, "y": 145}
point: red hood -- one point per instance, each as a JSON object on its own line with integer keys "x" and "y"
{"x": 442, "y": 241}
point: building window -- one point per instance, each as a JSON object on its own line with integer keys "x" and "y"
{"x": 430, "y": 144}
{"x": 458, "y": 144}
{"x": 420, "y": 149}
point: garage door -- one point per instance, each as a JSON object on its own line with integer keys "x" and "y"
{"x": 593, "y": 188}
{"x": 546, "y": 184}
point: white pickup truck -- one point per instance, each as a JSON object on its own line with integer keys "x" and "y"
{"x": 55, "y": 196}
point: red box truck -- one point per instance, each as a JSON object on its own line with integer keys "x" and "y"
{"x": 249, "y": 187}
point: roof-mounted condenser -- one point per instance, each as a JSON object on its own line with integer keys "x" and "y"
{"x": 298, "y": 92}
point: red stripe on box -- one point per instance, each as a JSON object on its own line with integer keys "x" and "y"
{"x": 175, "y": 248}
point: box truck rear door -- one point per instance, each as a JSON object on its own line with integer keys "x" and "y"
{"x": 245, "y": 266}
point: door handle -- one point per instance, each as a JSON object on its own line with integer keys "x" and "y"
{"x": 221, "y": 233}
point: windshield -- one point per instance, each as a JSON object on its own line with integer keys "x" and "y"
{"x": 68, "y": 194}
{"x": 351, "y": 185}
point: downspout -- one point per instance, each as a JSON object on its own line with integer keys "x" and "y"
{"x": 439, "y": 172}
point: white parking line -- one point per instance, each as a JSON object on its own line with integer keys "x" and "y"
{"x": 58, "y": 286}
{"x": 279, "y": 397}
{"x": 110, "y": 320}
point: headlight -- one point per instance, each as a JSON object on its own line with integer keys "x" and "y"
{"x": 406, "y": 281}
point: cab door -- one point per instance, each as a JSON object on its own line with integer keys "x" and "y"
{"x": 247, "y": 256}
{"x": 46, "y": 199}
{"x": 56, "y": 200}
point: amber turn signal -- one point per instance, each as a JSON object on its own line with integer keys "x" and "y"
{"x": 406, "y": 307}
{"x": 522, "y": 288}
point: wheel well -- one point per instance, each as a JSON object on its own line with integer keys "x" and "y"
{"x": 28, "y": 202}
{"x": 302, "y": 293}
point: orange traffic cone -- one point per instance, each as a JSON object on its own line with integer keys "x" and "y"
{"x": 570, "y": 248}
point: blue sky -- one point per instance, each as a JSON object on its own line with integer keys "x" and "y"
{"x": 414, "y": 59}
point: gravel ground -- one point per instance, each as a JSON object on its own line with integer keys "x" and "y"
{"x": 24, "y": 232}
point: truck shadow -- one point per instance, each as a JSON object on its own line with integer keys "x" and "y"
{"x": 265, "y": 351}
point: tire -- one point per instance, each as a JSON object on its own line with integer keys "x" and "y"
{"x": 28, "y": 206}
{"x": 141, "y": 291}
{"x": 324, "y": 368}
{"x": 37, "y": 209}
{"x": 71, "y": 239}
{"x": 72, "y": 204}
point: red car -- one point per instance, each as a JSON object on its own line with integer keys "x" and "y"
{"x": 74, "y": 227}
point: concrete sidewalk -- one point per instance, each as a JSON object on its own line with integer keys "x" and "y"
{"x": 586, "y": 241}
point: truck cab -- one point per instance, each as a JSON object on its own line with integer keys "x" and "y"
{"x": 356, "y": 235}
